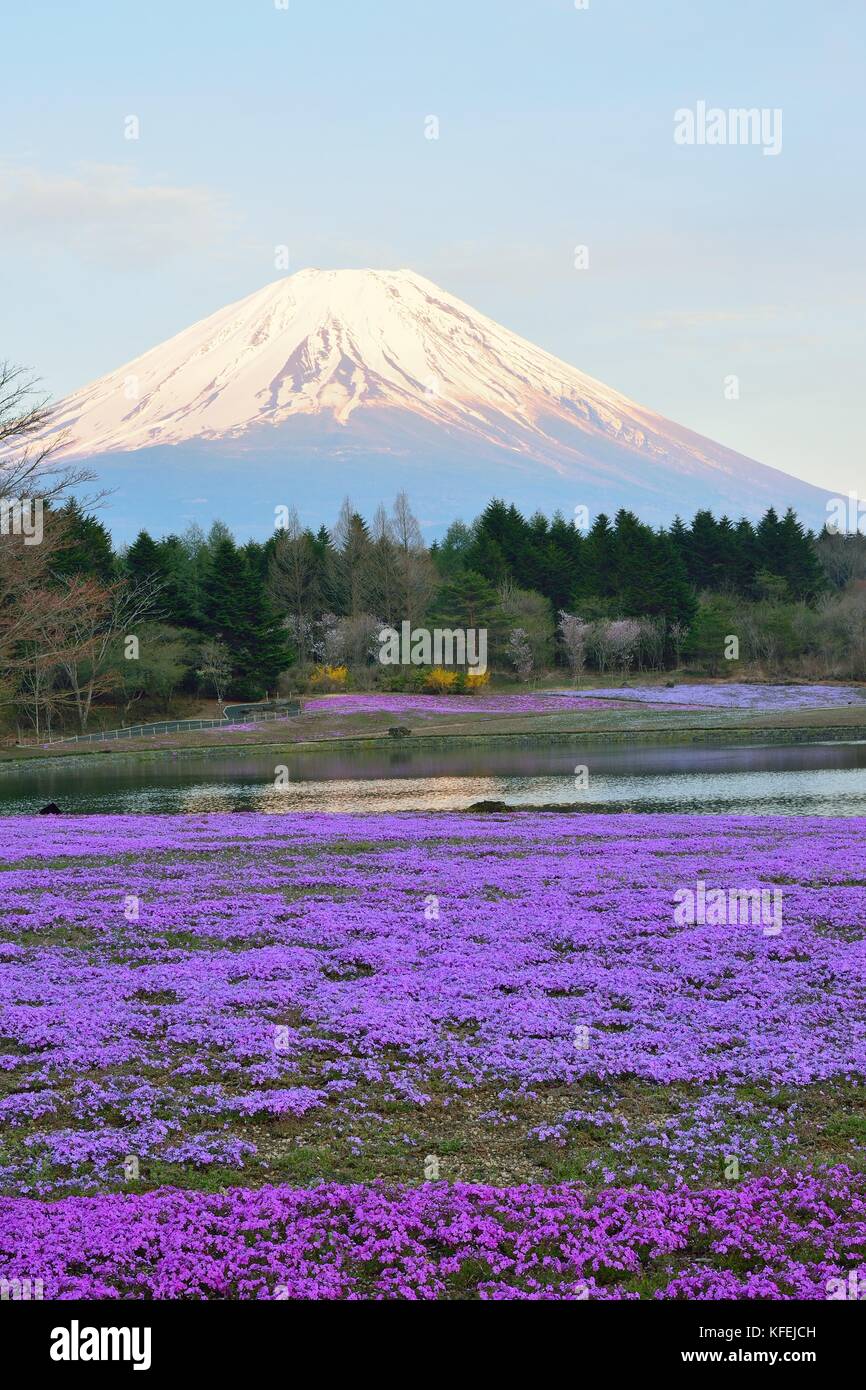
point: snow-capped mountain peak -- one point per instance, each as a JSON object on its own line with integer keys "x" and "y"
{"x": 367, "y": 381}
{"x": 338, "y": 341}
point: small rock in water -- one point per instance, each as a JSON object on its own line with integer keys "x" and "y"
{"x": 52, "y": 809}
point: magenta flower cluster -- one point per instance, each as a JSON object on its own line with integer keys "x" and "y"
{"x": 427, "y": 706}
{"x": 780, "y": 1237}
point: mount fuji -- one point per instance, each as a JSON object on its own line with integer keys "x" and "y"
{"x": 366, "y": 382}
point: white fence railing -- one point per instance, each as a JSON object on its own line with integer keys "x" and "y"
{"x": 170, "y": 726}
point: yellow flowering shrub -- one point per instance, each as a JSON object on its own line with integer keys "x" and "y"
{"x": 440, "y": 681}
{"x": 332, "y": 677}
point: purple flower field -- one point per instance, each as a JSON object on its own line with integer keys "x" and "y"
{"x": 786, "y": 1236}
{"x": 237, "y": 1000}
{"x": 727, "y": 695}
{"x": 736, "y": 695}
{"x": 427, "y": 706}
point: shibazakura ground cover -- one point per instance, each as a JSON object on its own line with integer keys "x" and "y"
{"x": 273, "y": 1003}
{"x": 683, "y": 712}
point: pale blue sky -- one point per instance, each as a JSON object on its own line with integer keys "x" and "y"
{"x": 305, "y": 126}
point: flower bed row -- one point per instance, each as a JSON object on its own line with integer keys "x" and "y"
{"x": 781, "y": 1237}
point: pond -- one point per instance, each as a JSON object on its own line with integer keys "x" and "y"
{"x": 805, "y": 779}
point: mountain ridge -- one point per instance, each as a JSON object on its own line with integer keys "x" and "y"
{"x": 383, "y": 372}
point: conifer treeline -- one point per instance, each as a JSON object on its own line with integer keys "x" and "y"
{"x": 621, "y": 565}
{"x": 626, "y": 568}
{"x": 264, "y": 600}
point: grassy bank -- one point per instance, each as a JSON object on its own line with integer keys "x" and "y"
{"x": 611, "y": 724}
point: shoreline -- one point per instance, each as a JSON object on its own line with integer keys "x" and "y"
{"x": 738, "y": 735}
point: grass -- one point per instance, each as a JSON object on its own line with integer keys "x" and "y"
{"x": 323, "y": 729}
{"x": 827, "y": 1124}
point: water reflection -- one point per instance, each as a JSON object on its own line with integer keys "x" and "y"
{"x": 813, "y": 779}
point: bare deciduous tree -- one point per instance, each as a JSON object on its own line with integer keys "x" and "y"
{"x": 574, "y": 634}
{"x": 520, "y": 653}
{"x": 417, "y": 571}
{"x": 216, "y": 667}
{"x": 293, "y": 580}
{"x": 93, "y": 617}
{"x": 30, "y": 632}
{"x": 623, "y": 635}
{"x": 384, "y": 571}
{"x": 27, "y": 444}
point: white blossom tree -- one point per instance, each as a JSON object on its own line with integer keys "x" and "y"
{"x": 574, "y": 635}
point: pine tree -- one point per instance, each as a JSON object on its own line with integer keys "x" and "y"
{"x": 599, "y": 571}
{"x": 195, "y": 548}
{"x": 768, "y": 543}
{"x": 634, "y": 553}
{"x": 327, "y": 580}
{"x": 468, "y": 601}
{"x": 705, "y": 555}
{"x": 678, "y": 534}
{"x": 672, "y": 593}
{"x": 798, "y": 561}
{"x": 266, "y": 652}
{"x": 744, "y": 562}
{"x": 449, "y": 555}
{"x": 257, "y": 558}
{"x": 177, "y": 600}
{"x": 144, "y": 564}
{"x": 86, "y": 548}
{"x": 224, "y": 595}
{"x": 711, "y": 628}
{"x": 486, "y": 557}
{"x": 725, "y": 550}
{"x": 240, "y": 614}
{"x": 563, "y": 562}
{"x": 351, "y": 543}
{"x": 143, "y": 561}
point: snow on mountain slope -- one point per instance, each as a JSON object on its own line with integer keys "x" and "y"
{"x": 340, "y": 341}
{"x": 377, "y": 366}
